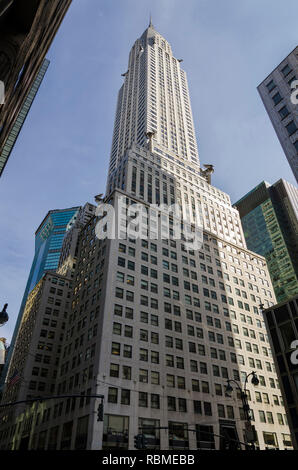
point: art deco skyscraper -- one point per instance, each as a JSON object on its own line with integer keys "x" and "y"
{"x": 154, "y": 99}
{"x": 155, "y": 326}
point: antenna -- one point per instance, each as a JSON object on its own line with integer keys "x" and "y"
{"x": 150, "y": 21}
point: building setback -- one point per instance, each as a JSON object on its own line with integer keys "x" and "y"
{"x": 269, "y": 216}
{"x": 280, "y": 101}
{"x": 155, "y": 325}
{"x": 282, "y": 324}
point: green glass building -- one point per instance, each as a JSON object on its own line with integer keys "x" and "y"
{"x": 269, "y": 219}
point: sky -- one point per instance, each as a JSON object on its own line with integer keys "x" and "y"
{"x": 61, "y": 157}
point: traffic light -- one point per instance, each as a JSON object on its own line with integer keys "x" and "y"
{"x": 138, "y": 441}
{"x": 144, "y": 442}
{"x": 100, "y": 412}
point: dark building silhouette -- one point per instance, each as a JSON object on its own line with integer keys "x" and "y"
{"x": 282, "y": 324}
{"x": 27, "y": 30}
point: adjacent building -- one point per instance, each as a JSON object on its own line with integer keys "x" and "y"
{"x": 280, "y": 100}
{"x": 2, "y": 353}
{"x": 282, "y": 325}
{"x": 157, "y": 322}
{"x": 269, "y": 216}
{"x": 27, "y": 30}
{"x": 33, "y": 366}
{"x": 48, "y": 244}
{"x": 69, "y": 250}
{"x": 12, "y": 136}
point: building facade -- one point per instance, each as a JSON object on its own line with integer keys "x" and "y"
{"x": 69, "y": 250}
{"x": 157, "y": 322}
{"x": 282, "y": 325}
{"x": 2, "y": 353}
{"x": 280, "y": 100}
{"x": 269, "y": 216}
{"x": 26, "y": 33}
{"x": 35, "y": 357}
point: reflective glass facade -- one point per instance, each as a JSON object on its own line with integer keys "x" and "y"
{"x": 267, "y": 225}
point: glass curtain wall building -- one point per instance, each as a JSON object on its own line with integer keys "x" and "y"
{"x": 269, "y": 219}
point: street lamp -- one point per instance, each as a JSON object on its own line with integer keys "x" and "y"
{"x": 4, "y": 315}
{"x": 250, "y": 433}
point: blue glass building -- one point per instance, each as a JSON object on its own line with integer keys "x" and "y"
{"x": 48, "y": 244}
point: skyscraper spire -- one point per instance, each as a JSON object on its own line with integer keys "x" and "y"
{"x": 150, "y": 21}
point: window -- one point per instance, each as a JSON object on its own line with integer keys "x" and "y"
{"x": 143, "y": 354}
{"x": 155, "y": 357}
{"x": 291, "y": 127}
{"x": 286, "y": 70}
{"x": 270, "y": 86}
{"x": 155, "y": 401}
{"x": 171, "y": 404}
{"x": 230, "y": 412}
{"x": 277, "y": 98}
{"x": 197, "y": 407}
{"x": 116, "y": 349}
{"x": 182, "y": 405}
{"x": 114, "y": 370}
{"x": 126, "y": 372}
{"x": 280, "y": 419}
{"x": 195, "y": 385}
{"x": 207, "y": 408}
{"x": 127, "y": 350}
{"x": 262, "y": 416}
{"x": 125, "y": 397}
{"x": 270, "y": 438}
{"x": 113, "y": 395}
{"x": 143, "y": 399}
{"x": 143, "y": 376}
{"x": 221, "y": 411}
{"x": 283, "y": 112}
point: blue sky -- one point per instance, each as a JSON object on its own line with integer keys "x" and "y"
{"x": 61, "y": 157}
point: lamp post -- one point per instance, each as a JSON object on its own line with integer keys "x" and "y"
{"x": 4, "y": 315}
{"x": 250, "y": 431}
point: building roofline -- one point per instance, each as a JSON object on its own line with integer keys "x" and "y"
{"x": 51, "y": 212}
{"x": 251, "y": 191}
{"x": 276, "y": 67}
{"x": 280, "y": 304}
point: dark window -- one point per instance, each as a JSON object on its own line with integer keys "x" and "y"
{"x": 291, "y": 128}
{"x": 283, "y": 112}
{"x": 277, "y": 98}
{"x": 286, "y": 70}
{"x": 270, "y": 85}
